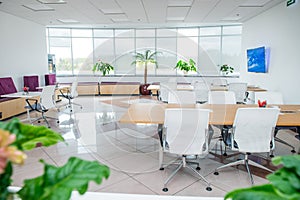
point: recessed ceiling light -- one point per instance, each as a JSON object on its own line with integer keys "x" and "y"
{"x": 52, "y": 1}
{"x": 118, "y": 17}
{"x": 38, "y": 7}
{"x": 68, "y": 21}
{"x": 180, "y": 2}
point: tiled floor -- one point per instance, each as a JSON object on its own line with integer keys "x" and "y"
{"x": 131, "y": 152}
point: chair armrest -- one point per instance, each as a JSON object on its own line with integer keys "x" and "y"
{"x": 32, "y": 103}
{"x": 65, "y": 95}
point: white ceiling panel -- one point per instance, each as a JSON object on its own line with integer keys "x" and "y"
{"x": 134, "y": 12}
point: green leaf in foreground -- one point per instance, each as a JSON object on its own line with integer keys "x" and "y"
{"x": 59, "y": 182}
{"x": 285, "y": 183}
{"x": 28, "y": 136}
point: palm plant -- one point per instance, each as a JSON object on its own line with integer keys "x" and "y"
{"x": 145, "y": 58}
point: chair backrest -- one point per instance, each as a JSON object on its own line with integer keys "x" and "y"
{"x": 254, "y": 127}
{"x": 270, "y": 97}
{"x": 219, "y": 82}
{"x": 240, "y": 90}
{"x": 182, "y": 97}
{"x": 32, "y": 82}
{"x": 47, "y": 97}
{"x": 73, "y": 91}
{"x": 186, "y": 130}
{"x": 201, "y": 90}
{"x": 221, "y": 97}
{"x": 164, "y": 90}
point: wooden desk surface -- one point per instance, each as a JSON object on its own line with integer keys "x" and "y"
{"x": 221, "y": 114}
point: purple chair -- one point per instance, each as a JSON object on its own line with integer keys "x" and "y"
{"x": 50, "y": 79}
{"x": 7, "y": 86}
{"x": 32, "y": 82}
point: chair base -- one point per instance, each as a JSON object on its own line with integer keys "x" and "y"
{"x": 183, "y": 163}
{"x": 245, "y": 162}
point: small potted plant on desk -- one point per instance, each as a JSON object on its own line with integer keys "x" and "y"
{"x": 226, "y": 69}
{"x": 103, "y": 67}
{"x": 186, "y": 66}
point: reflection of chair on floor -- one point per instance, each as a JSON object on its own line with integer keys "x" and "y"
{"x": 252, "y": 132}
{"x": 275, "y": 98}
{"x": 70, "y": 95}
{"x": 46, "y": 103}
{"x": 186, "y": 134}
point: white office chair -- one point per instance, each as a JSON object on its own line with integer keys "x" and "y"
{"x": 164, "y": 90}
{"x": 182, "y": 97}
{"x": 201, "y": 90}
{"x": 252, "y": 132}
{"x": 185, "y": 134}
{"x": 43, "y": 105}
{"x": 219, "y": 82}
{"x": 274, "y": 98}
{"x": 240, "y": 91}
{"x": 70, "y": 95}
{"x": 221, "y": 97}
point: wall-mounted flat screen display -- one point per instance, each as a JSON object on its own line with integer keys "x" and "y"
{"x": 258, "y": 59}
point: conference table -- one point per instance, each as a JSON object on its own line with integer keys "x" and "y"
{"x": 222, "y": 115}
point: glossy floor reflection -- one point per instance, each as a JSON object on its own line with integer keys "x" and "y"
{"x": 131, "y": 152}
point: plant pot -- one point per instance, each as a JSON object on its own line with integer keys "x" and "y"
{"x": 143, "y": 89}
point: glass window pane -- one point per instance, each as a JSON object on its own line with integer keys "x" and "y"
{"x": 187, "y": 48}
{"x": 209, "y": 55}
{"x": 232, "y": 30}
{"x": 59, "y": 32}
{"x": 124, "y": 33}
{"x": 167, "y": 59}
{"x": 82, "y": 33}
{"x": 104, "y": 50}
{"x": 124, "y": 56}
{"x": 231, "y": 51}
{"x": 145, "y": 33}
{"x": 63, "y": 60}
{"x": 82, "y": 55}
{"x": 60, "y": 42}
{"x": 166, "y": 32}
{"x": 187, "y": 32}
{"x": 103, "y": 33}
{"x": 210, "y": 31}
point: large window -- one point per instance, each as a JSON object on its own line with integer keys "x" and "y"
{"x": 77, "y": 49}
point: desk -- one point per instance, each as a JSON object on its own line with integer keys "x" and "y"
{"x": 155, "y": 88}
{"x": 22, "y": 95}
{"x": 153, "y": 113}
{"x": 249, "y": 88}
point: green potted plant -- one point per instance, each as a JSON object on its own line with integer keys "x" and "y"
{"x": 186, "y": 66}
{"x": 226, "y": 69}
{"x": 146, "y": 58}
{"x": 284, "y": 183}
{"x": 56, "y": 182}
{"x": 103, "y": 67}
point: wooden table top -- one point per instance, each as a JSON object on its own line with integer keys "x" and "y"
{"x": 153, "y": 113}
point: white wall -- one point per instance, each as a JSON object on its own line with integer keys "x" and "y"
{"x": 279, "y": 29}
{"x": 23, "y": 49}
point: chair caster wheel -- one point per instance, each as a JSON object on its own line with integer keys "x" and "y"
{"x": 224, "y": 154}
{"x": 198, "y": 168}
{"x": 293, "y": 151}
{"x": 208, "y": 189}
{"x": 161, "y": 168}
{"x": 57, "y": 121}
{"x": 272, "y": 156}
{"x": 39, "y": 121}
{"x": 71, "y": 110}
{"x": 49, "y": 127}
{"x": 165, "y": 189}
{"x": 216, "y": 173}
